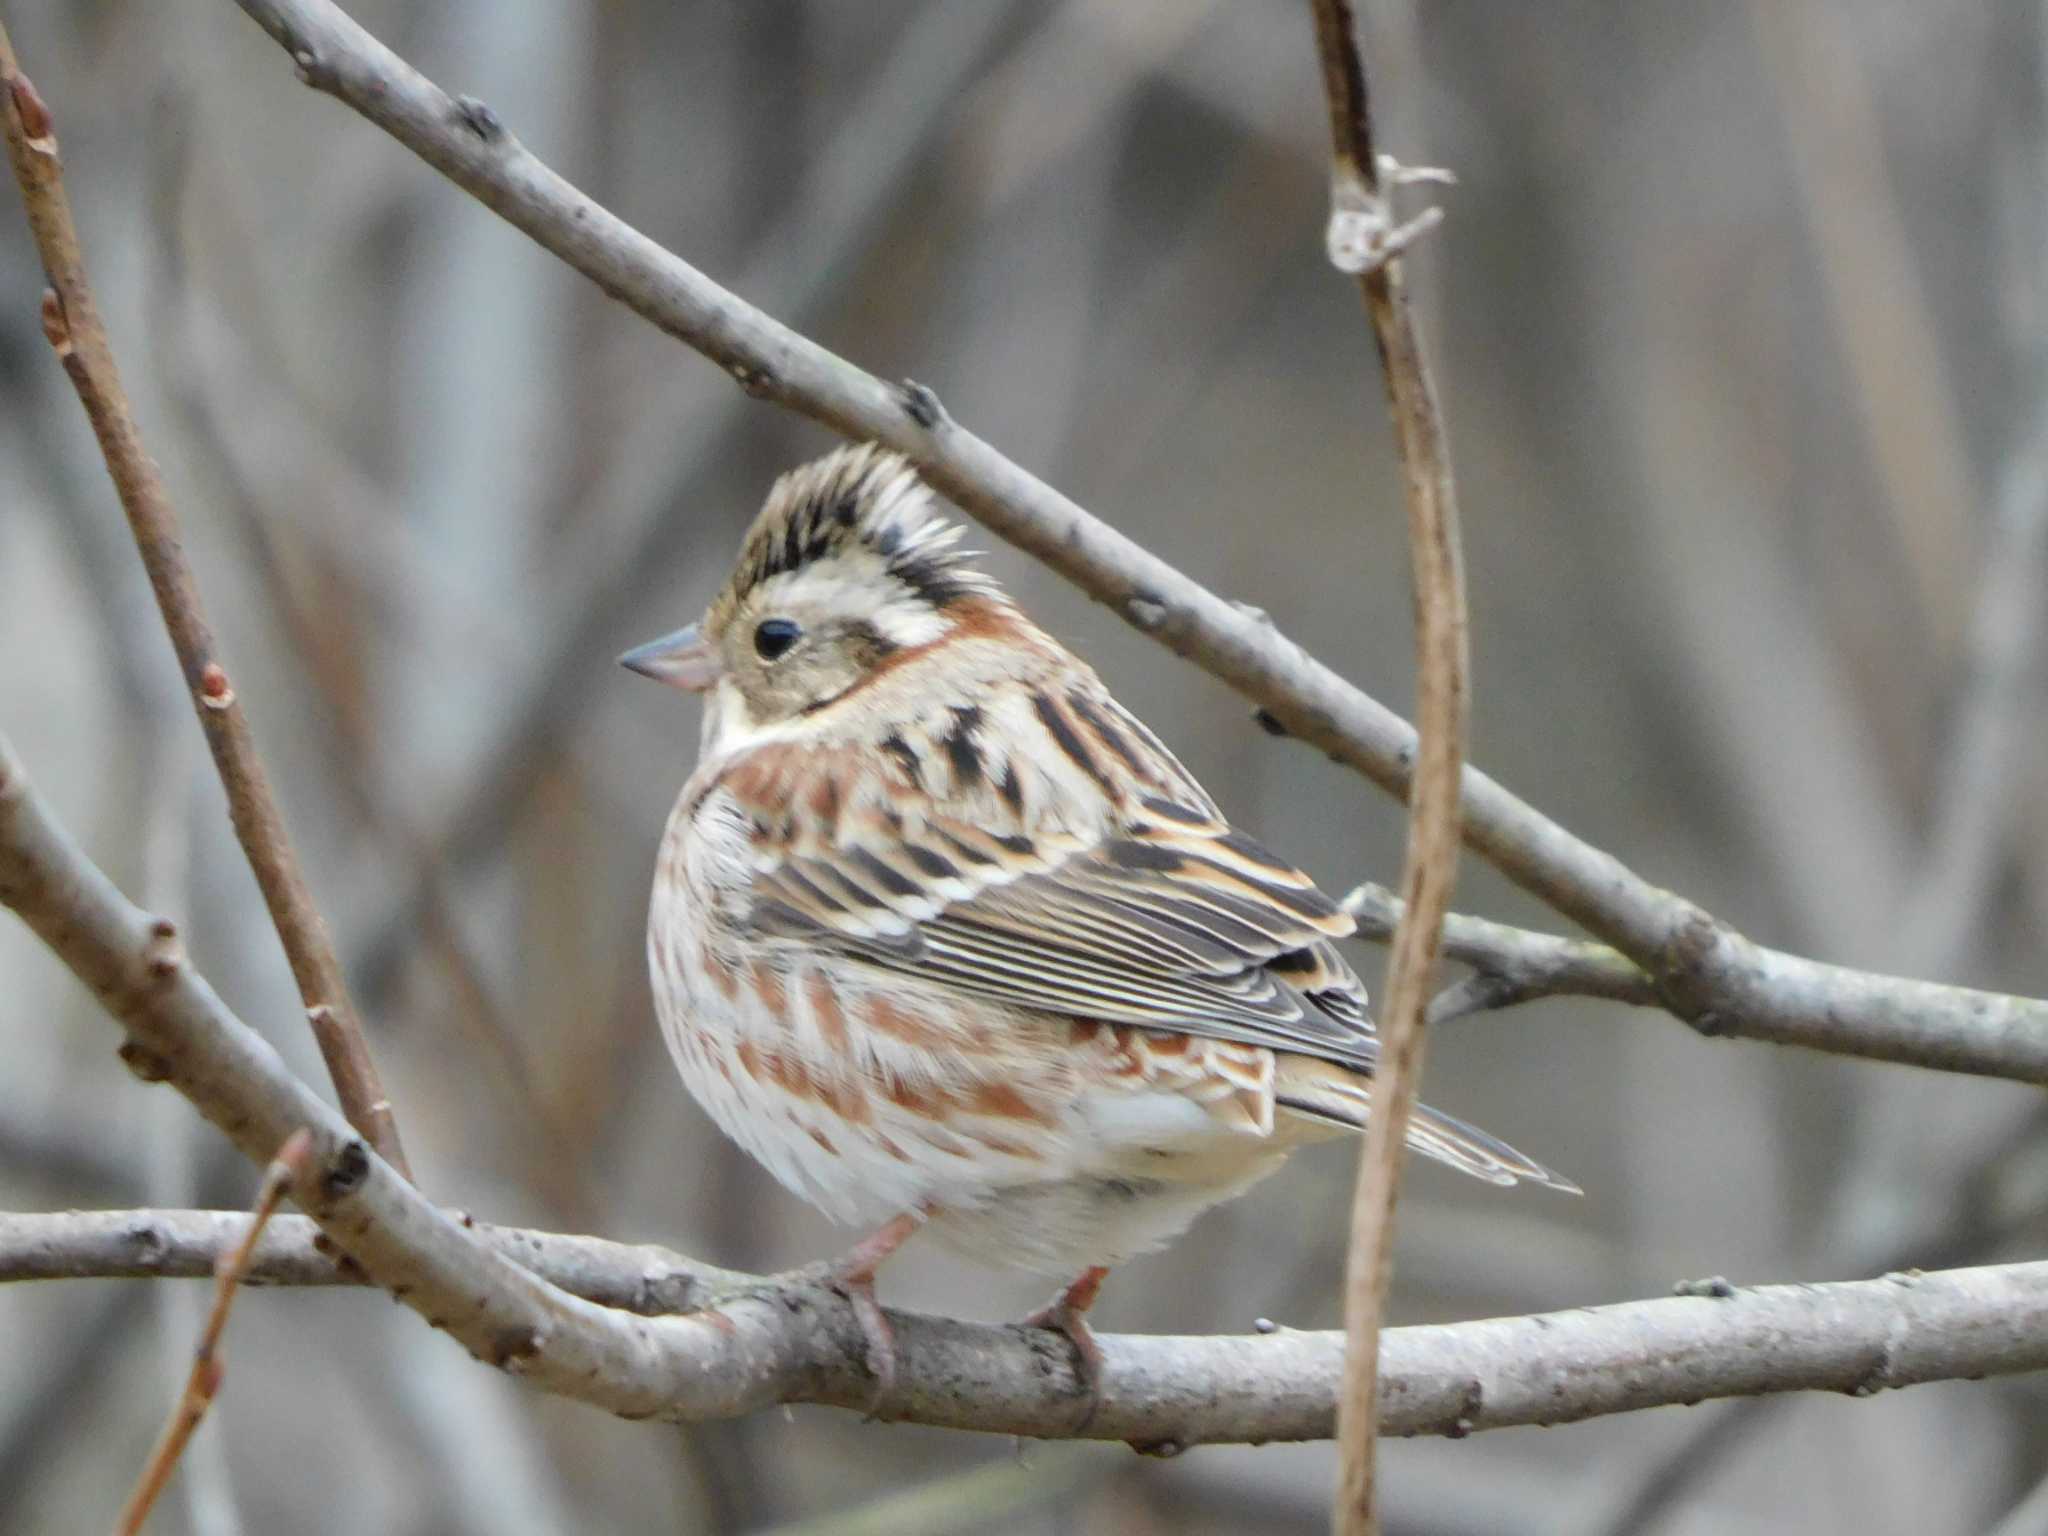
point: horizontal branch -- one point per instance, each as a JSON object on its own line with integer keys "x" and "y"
{"x": 1705, "y": 972}
{"x": 1856, "y": 1337}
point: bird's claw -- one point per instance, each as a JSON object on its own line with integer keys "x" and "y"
{"x": 852, "y": 1277}
{"x": 1066, "y": 1315}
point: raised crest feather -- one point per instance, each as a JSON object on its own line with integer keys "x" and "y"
{"x": 862, "y": 500}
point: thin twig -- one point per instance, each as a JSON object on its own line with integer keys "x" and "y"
{"x": 1707, "y": 973}
{"x": 509, "y": 1297}
{"x": 1365, "y": 239}
{"x": 1509, "y": 965}
{"x": 201, "y": 1387}
{"x": 71, "y": 322}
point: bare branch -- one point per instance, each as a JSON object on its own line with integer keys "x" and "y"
{"x": 71, "y": 321}
{"x": 1509, "y": 965}
{"x": 207, "y": 1371}
{"x": 511, "y": 1297}
{"x": 1706, "y": 973}
{"x": 1857, "y": 1337}
{"x": 1366, "y": 238}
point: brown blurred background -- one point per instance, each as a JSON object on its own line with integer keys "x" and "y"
{"x": 1740, "y": 313}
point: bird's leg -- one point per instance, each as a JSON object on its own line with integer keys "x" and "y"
{"x": 1067, "y": 1314}
{"x": 852, "y": 1275}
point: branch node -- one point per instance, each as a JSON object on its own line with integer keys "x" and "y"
{"x": 1147, "y": 613}
{"x": 307, "y": 67}
{"x": 754, "y": 383}
{"x": 146, "y": 1064}
{"x": 1164, "y": 1449}
{"x": 56, "y": 324}
{"x": 346, "y": 1169}
{"x": 150, "y": 1244}
{"x": 1683, "y": 975}
{"x": 1471, "y": 1402}
{"x": 1713, "y": 1287}
{"x": 1394, "y": 174}
{"x": 922, "y": 406}
{"x": 1363, "y": 235}
{"x": 163, "y": 955}
{"x": 664, "y": 1291}
{"x": 36, "y": 124}
{"x": 215, "y": 692}
{"x": 511, "y": 1348}
{"x": 479, "y": 119}
{"x": 1269, "y": 722}
{"x": 1879, "y": 1376}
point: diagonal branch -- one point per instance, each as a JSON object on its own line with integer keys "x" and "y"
{"x": 71, "y": 321}
{"x": 1706, "y": 973}
{"x": 1364, "y": 239}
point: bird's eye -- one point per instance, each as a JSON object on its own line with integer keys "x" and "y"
{"x": 773, "y": 637}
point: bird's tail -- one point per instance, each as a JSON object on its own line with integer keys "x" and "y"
{"x": 1335, "y": 1095}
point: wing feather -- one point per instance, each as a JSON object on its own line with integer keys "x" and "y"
{"x": 1052, "y": 855}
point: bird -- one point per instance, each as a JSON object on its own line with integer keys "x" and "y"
{"x": 946, "y": 938}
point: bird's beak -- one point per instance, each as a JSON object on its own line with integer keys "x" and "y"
{"x": 684, "y": 660}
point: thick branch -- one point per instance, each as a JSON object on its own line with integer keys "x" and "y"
{"x": 71, "y": 321}
{"x": 1707, "y": 974}
{"x": 1856, "y": 1337}
{"x": 1429, "y": 867}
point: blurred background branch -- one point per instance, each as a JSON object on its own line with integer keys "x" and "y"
{"x": 72, "y": 326}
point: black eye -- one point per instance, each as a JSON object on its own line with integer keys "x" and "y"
{"x": 775, "y": 636}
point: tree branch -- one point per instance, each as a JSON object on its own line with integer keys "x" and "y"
{"x": 1509, "y": 965}
{"x": 1857, "y": 1337}
{"x": 563, "y": 1312}
{"x": 71, "y": 321}
{"x": 1705, "y": 972}
{"x": 1364, "y": 239}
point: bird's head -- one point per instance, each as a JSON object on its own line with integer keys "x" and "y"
{"x": 847, "y": 571}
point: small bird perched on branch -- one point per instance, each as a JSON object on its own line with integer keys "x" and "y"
{"x": 941, "y": 933}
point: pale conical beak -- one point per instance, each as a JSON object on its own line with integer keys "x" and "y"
{"x": 684, "y": 660}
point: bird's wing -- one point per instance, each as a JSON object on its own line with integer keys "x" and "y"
{"x": 1048, "y": 853}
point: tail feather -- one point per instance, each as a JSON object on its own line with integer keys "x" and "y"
{"x": 1335, "y": 1095}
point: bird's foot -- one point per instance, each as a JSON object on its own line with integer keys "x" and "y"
{"x": 1066, "y": 1314}
{"x": 852, "y": 1276}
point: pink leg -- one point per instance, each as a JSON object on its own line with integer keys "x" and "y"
{"x": 852, "y": 1275}
{"x": 1067, "y": 1314}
